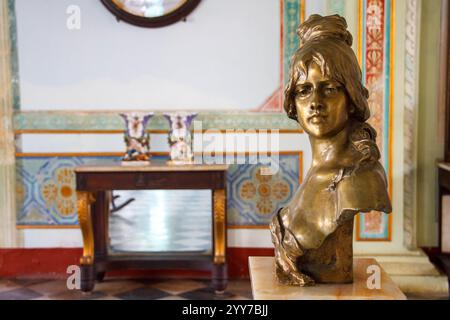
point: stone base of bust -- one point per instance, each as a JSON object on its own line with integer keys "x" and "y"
{"x": 265, "y": 285}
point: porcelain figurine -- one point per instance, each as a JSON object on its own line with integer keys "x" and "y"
{"x": 180, "y": 137}
{"x": 136, "y": 139}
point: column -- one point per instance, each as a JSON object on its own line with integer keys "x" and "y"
{"x": 8, "y": 233}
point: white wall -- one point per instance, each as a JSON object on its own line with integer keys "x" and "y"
{"x": 226, "y": 56}
{"x": 315, "y": 7}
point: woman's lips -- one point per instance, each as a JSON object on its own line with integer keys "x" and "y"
{"x": 317, "y": 119}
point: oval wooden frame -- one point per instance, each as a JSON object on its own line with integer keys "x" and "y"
{"x": 156, "y": 22}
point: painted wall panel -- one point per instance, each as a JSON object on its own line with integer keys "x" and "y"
{"x": 46, "y": 189}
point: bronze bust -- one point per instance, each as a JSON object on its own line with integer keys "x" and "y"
{"x": 313, "y": 234}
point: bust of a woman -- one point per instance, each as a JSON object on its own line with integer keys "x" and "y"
{"x": 313, "y": 233}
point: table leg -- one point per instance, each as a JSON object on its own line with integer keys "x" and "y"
{"x": 84, "y": 202}
{"x": 100, "y": 276}
{"x": 219, "y": 278}
{"x": 100, "y": 221}
{"x": 219, "y": 275}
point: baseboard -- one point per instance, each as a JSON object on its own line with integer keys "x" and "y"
{"x": 414, "y": 273}
{"x": 46, "y": 263}
{"x": 53, "y": 262}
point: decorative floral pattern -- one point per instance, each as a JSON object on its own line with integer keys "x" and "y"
{"x": 98, "y": 120}
{"x": 265, "y": 190}
{"x": 60, "y": 192}
{"x": 375, "y": 62}
{"x": 253, "y": 198}
{"x": 376, "y": 73}
{"x": 46, "y": 190}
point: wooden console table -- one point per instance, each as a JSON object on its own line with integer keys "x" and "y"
{"x": 94, "y": 184}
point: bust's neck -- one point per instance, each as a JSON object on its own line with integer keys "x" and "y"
{"x": 328, "y": 151}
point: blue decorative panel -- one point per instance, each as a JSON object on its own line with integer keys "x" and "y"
{"x": 46, "y": 190}
{"x": 254, "y": 198}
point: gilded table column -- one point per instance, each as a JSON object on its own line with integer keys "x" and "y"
{"x": 84, "y": 206}
{"x": 219, "y": 199}
{"x": 84, "y": 201}
{"x": 219, "y": 274}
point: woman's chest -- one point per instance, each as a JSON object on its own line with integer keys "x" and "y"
{"x": 315, "y": 204}
{"x": 318, "y": 189}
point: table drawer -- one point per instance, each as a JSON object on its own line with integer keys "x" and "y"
{"x": 97, "y": 181}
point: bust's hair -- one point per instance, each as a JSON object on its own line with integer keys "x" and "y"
{"x": 327, "y": 42}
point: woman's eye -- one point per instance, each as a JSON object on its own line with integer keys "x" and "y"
{"x": 304, "y": 92}
{"x": 331, "y": 90}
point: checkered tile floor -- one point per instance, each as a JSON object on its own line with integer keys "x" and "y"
{"x": 143, "y": 289}
{"x": 119, "y": 289}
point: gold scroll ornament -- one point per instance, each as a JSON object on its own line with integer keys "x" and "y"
{"x": 84, "y": 201}
{"x": 219, "y": 200}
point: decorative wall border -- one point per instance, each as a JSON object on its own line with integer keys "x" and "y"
{"x": 292, "y": 14}
{"x": 151, "y": 131}
{"x": 376, "y": 56}
{"x": 302, "y": 10}
{"x": 14, "y": 55}
{"x": 111, "y": 122}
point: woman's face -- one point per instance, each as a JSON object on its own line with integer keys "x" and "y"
{"x": 321, "y": 104}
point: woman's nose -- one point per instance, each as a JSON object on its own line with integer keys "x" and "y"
{"x": 316, "y": 102}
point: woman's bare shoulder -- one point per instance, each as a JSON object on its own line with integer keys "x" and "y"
{"x": 363, "y": 189}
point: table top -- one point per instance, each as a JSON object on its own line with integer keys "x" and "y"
{"x": 444, "y": 165}
{"x": 153, "y": 166}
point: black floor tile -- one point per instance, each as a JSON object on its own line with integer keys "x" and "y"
{"x": 206, "y": 294}
{"x": 143, "y": 294}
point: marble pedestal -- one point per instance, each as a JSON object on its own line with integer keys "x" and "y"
{"x": 266, "y": 287}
